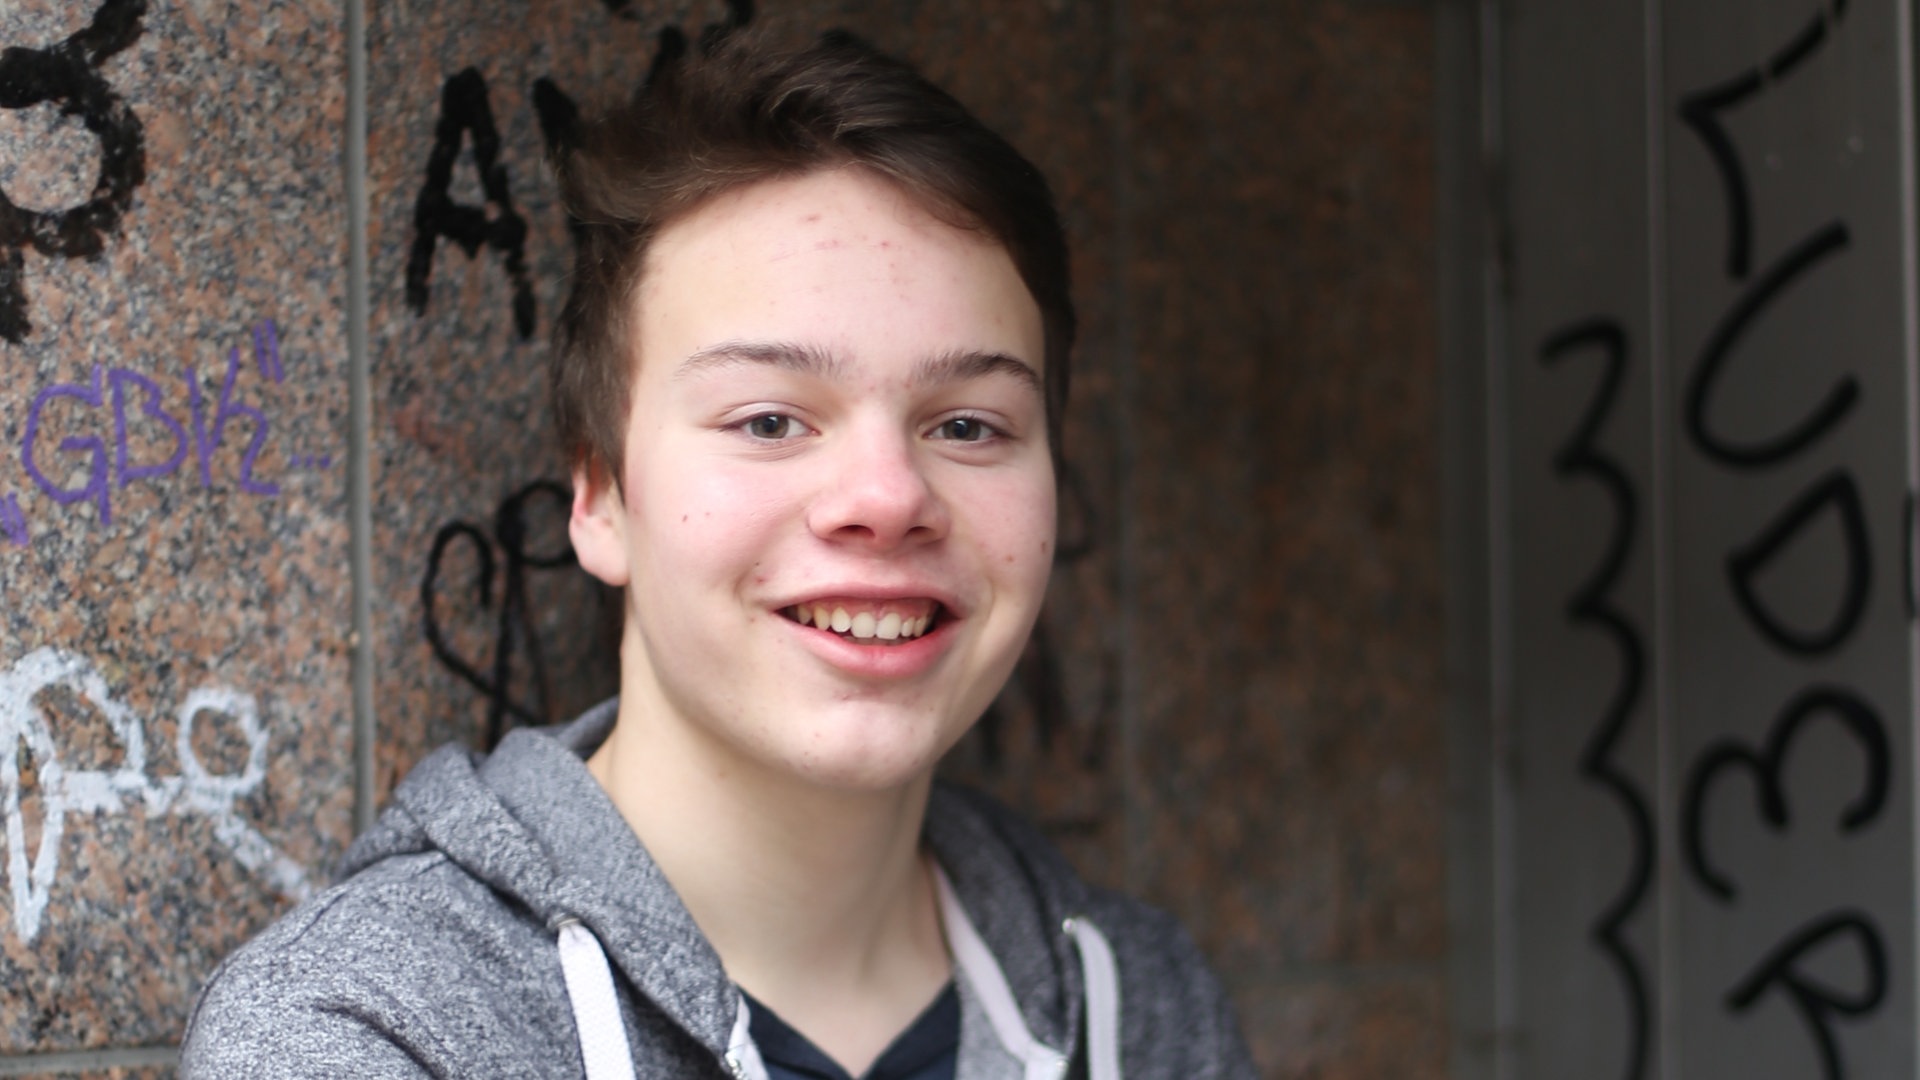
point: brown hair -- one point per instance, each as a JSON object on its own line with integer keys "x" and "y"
{"x": 735, "y": 112}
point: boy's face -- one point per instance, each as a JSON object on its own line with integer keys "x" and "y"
{"x": 837, "y": 414}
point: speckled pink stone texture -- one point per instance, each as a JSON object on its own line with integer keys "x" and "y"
{"x": 1285, "y": 790}
{"x": 460, "y": 420}
{"x": 204, "y": 581}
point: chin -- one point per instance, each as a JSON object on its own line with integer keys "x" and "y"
{"x": 869, "y": 757}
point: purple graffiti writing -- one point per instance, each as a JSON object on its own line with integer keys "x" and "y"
{"x": 206, "y": 443}
{"x": 118, "y": 380}
{"x": 141, "y": 418}
{"x": 96, "y": 487}
{"x": 12, "y": 522}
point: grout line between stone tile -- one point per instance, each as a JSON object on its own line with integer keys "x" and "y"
{"x": 77, "y": 1060}
{"x": 1463, "y": 209}
{"x": 1498, "y": 524}
{"x": 359, "y": 482}
{"x": 1126, "y": 455}
{"x": 1666, "y": 1034}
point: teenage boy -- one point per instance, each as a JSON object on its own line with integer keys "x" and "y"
{"x": 810, "y": 378}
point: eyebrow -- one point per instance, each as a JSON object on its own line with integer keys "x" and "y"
{"x": 961, "y": 365}
{"x": 958, "y": 365}
{"x": 800, "y": 359}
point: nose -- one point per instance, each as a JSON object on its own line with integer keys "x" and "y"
{"x": 877, "y": 495}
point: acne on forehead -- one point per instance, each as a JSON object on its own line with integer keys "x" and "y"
{"x": 818, "y": 216}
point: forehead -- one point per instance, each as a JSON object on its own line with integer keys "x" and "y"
{"x": 840, "y": 260}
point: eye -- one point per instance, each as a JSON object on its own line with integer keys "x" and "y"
{"x": 964, "y": 429}
{"x": 774, "y": 427}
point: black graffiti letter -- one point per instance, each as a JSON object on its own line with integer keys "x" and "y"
{"x": 68, "y": 74}
{"x": 1766, "y": 767}
{"x": 1804, "y": 257}
{"x": 1837, "y": 493}
{"x": 464, "y": 108}
{"x": 1817, "y": 1002}
{"x": 1701, "y": 112}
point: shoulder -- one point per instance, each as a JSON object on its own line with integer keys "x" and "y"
{"x": 1176, "y": 1018}
{"x": 410, "y": 968}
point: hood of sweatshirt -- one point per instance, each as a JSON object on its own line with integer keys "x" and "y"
{"x": 533, "y": 824}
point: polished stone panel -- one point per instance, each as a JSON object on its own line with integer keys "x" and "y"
{"x": 1286, "y": 788}
{"x": 174, "y": 730}
{"x": 1395, "y": 1026}
{"x": 473, "y": 502}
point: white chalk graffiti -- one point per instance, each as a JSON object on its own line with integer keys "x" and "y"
{"x": 66, "y": 791}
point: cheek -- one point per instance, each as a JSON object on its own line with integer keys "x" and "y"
{"x": 1019, "y": 536}
{"x": 706, "y": 523}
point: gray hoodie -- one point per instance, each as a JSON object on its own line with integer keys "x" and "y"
{"x": 453, "y": 946}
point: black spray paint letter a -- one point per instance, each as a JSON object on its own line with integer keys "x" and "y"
{"x": 464, "y": 108}
{"x": 68, "y": 74}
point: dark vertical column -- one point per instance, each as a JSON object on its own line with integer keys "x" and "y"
{"x": 1576, "y": 415}
{"x": 1790, "y": 302}
{"x": 1708, "y": 268}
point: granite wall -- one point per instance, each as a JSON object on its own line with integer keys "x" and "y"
{"x": 1232, "y": 706}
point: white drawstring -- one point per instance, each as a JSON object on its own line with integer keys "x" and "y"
{"x": 1103, "y": 999}
{"x": 1102, "y": 976}
{"x": 743, "y": 1054}
{"x": 596, "y": 1011}
{"x": 603, "y": 1037}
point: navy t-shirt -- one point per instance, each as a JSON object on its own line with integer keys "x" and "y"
{"x": 927, "y": 1050}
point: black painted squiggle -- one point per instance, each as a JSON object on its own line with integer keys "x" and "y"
{"x": 1701, "y": 110}
{"x": 1804, "y": 256}
{"x": 1591, "y": 605}
{"x": 1907, "y": 509}
{"x": 1847, "y": 708}
{"x": 68, "y": 74}
{"x": 1818, "y": 1001}
{"x": 510, "y": 528}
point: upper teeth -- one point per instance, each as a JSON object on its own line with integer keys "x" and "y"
{"x": 862, "y": 626}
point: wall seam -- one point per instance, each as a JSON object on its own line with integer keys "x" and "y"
{"x": 1495, "y": 286}
{"x": 1462, "y": 206}
{"x": 1910, "y": 348}
{"x": 80, "y": 1060}
{"x": 1126, "y": 453}
{"x": 359, "y": 477}
{"x": 1665, "y": 1050}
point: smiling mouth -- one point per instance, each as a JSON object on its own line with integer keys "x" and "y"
{"x": 868, "y": 622}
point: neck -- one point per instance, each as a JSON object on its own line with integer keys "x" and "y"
{"x": 817, "y": 899}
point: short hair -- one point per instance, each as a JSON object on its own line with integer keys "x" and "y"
{"x": 734, "y": 112}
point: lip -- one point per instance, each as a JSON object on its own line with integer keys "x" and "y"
{"x": 874, "y": 594}
{"x": 882, "y": 662}
{"x": 902, "y": 660}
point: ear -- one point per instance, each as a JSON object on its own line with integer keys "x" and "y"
{"x": 598, "y": 524}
